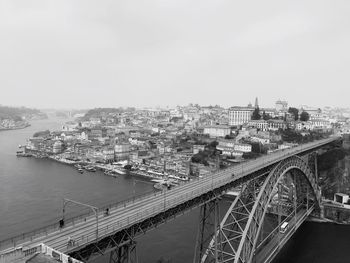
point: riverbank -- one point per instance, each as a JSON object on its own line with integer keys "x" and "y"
{"x": 16, "y": 128}
{"x": 319, "y": 220}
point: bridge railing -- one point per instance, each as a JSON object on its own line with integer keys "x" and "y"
{"x": 55, "y": 227}
{"x": 32, "y": 235}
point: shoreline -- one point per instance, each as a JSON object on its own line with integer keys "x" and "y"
{"x": 15, "y": 128}
{"x": 325, "y": 220}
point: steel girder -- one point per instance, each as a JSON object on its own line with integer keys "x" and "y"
{"x": 242, "y": 223}
{"x": 109, "y": 243}
{"x": 233, "y": 224}
{"x": 124, "y": 254}
{"x": 209, "y": 217}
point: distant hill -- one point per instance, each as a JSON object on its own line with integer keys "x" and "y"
{"x": 98, "y": 112}
{"x": 19, "y": 113}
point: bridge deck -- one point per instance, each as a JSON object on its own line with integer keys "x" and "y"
{"x": 269, "y": 251}
{"x": 130, "y": 213}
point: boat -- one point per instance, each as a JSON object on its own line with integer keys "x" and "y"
{"x": 119, "y": 170}
{"x": 90, "y": 168}
{"x": 80, "y": 170}
{"x": 107, "y": 172}
{"x": 22, "y": 154}
{"x": 78, "y": 166}
{"x": 110, "y": 173}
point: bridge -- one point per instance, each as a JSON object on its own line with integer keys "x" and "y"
{"x": 277, "y": 189}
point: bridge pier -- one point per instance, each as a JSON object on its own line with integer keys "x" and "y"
{"x": 124, "y": 254}
{"x": 209, "y": 224}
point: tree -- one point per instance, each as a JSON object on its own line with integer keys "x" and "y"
{"x": 42, "y": 133}
{"x": 256, "y": 114}
{"x": 295, "y": 112}
{"x": 304, "y": 116}
{"x": 266, "y": 116}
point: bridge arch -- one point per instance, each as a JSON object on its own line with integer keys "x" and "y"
{"x": 237, "y": 236}
{"x": 246, "y": 249}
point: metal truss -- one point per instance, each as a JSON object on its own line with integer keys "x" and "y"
{"x": 209, "y": 223}
{"x": 245, "y": 211}
{"x": 124, "y": 254}
{"x": 232, "y": 225}
{"x": 242, "y": 225}
{"x": 109, "y": 243}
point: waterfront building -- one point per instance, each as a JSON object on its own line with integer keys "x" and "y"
{"x": 122, "y": 151}
{"x": 240, "y": 115}
{"x": 57, "y": 147}
{"x": 108, "y": 155}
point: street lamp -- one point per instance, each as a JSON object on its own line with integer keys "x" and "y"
{"x": 93, "y": 208}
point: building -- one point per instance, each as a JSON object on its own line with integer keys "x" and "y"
{"x": 108, "y": 155}
{"x": 277, "y": 124}
{"x": 217, "y": 130}
{"x": 95, "y": 134}
{"x": 319, "y": 124}
{"x": 197, "y": 148}
{"x": 314, "y": 113}
{"x": 122, "y": 151}
{"x": 260, "y": 124}
{"x": 240, "y": 115}
{"x": 281, "y": 106}
{"x": 57, "y": 147}
{"x": 242, "y": 147}
{"x": 260, "y": 139}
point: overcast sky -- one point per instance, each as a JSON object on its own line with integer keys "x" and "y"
{"x": 83, "y": 54}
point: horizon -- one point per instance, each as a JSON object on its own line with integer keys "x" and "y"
{"x": 165, "y": 107}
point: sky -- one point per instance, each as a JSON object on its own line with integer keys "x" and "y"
{"x": 84, "y": 54}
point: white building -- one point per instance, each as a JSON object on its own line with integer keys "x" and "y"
{"x": 276, "y": 124}
{"x": 260, "y": 124}
{"x": 240, "y": 115}
{"x": 241, "y": 147}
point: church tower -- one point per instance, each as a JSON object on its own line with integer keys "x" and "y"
{"x": 256, "y": 103}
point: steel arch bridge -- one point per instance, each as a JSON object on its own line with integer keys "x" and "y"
{"x": 281, "y": 185}
{"x": 239, "y": 236}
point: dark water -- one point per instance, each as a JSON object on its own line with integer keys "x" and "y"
{"x": 31, "y": 192}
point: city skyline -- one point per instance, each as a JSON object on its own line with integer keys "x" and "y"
{"x": 85, "y": 55}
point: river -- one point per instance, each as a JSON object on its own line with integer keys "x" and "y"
{"x": 32, "y": 190}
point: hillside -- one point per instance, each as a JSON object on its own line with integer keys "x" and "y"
{"x": 20, "y": 113}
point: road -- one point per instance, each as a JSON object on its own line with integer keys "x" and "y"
{"x": 131, "y": 212}
{"x": 270, "y": 250}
